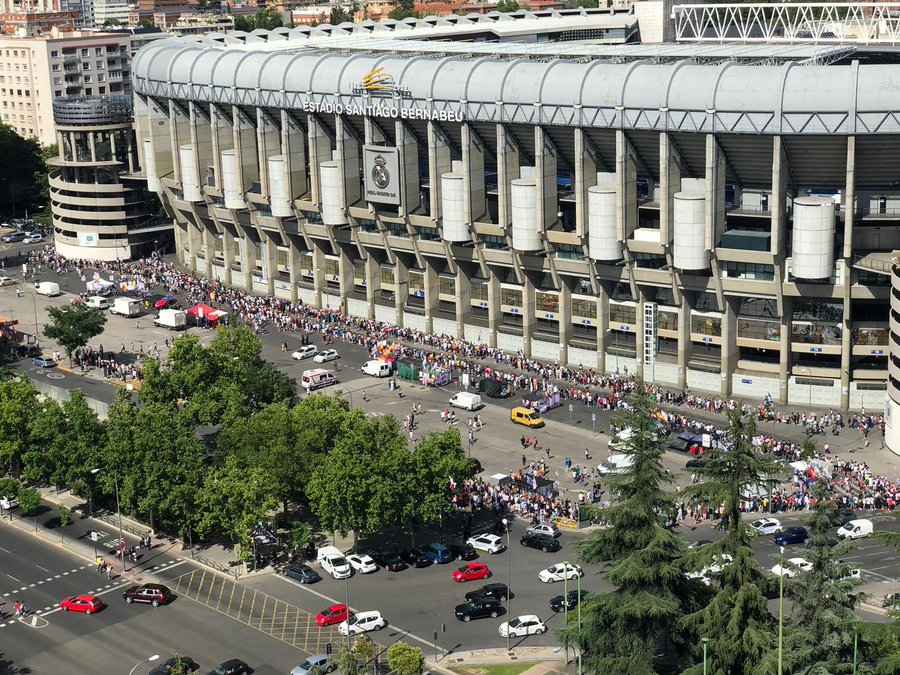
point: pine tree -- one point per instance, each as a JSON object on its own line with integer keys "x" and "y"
{"x": 620, "y": 629}
{"x": 736, "y": 623}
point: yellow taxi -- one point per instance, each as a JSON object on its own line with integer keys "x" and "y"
{"x": 526, "y": 417}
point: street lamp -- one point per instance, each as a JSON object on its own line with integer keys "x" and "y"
{"x": 705, "y": 642}
{"x": 508, "y": 581}
{"x": 347, "y": 605}
{"x": 780, "y": 609}
{"x": 118, "y": 513}
{"x": 140, "y": 663}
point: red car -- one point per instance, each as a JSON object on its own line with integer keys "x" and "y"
{"x": 82, "y": 603}
{"x": 332, "y": 615}
{"x": 472, "y": 571}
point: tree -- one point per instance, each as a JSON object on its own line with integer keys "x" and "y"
{"x": 44, "y": 460}
{"x": 404, "y": 10}
{"x": 364, "y": 649}
{"x": 620, "y": 629}
{"x": 299, "y": 537}
{"x": 22, "y": 172}
{"x": 347, "y": 663}
{"x": 405, "y": 660}
{"x": 112, "y": 22}
{"x": 29, "y": 500}
{"x": 73, "y": 326}
{"x": 340, "y": 15}
{"x": 437, "y": 459}
{"x": 18, "y": 407}
{"x": 736, "y": 622}
{"x": 507, "y": 6}
{"x": 268, "y": 19}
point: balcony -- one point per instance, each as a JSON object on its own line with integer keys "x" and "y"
{"x": 755, "y": 329}
{"x": 812, "y": 333}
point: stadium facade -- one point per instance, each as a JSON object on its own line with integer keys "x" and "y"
{"x": 699, "y": 214}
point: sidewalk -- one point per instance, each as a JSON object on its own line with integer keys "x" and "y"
{"x": 546, "y": 660}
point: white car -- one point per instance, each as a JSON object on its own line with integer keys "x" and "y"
{"x": 792, "y": 567}
{"x": 33, "y": 238}
{"x": 305, "y": 352}
{"x": 7, "y": 281}
{"x": 8, "y": 502}
{"x": 528, "y": 624}
{"x": 767, "y": 526}
{"x": 560, "y": 571}
{"x": 362, "y": 623}
{"x": 851, "y": 574}
{"x": 719, "y": 563}
{"x": 544, "y": 528}
{"x": 325, "y": 356}
{"x": 490, "y": 543}
{"x": 336, "y": 565}
{"x": 362, "y": 563}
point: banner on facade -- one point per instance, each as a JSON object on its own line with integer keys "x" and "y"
{"x": 381, "y": 168}
{"x": 88, "y": 239}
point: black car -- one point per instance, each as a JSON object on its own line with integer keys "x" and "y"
{"x": 232, "y": 667}
{"x": 28, "y": 351}
{"x": 697, "y": 463}
{"x": 302, "y": 573}
{"x": 569, "y": 601}
{"x": 415, "y": 558}
{"x": 390, "y": 561}
{"x": 496, "y": 591}
{"x": 682, "y": 442}
{"x": 463, "y": 551}
{"x": 477, "y": 608}
{"x": 169, "y": 665}
{"x": 542, "y": 542}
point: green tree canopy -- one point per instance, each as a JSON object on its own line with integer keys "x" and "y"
{"x": 22, "y": 172}
{"x": 404, "y": 659}
{"x": 18, "y": 407}
{"x": 72, "y": 326}
{"x": 29, "y": 500}
{"x": 233, "y": 499}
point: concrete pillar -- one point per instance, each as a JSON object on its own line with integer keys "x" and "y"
{"x": 209, "y": 250}
{"x": 318, "y": 258}
{"x": 345, "y": 275}
{"x": 527, "y": 315}
{"x": 439, "y": 163}
{"x": 245, "y": 149}
{"x": 684, "y": 340}
{"x": 463, "y": 301}
{"x": 585, "y": 177}
{"x": 474, "y": 198}
{"x": 293, "y": 149}
{"x": 729, "y": 343}
{"x": 228, "y": 249}
{"x": 846, "y": 343}
{"x": 319, "y": 151}
{"x": 626, "y": 187}
{"x": 432, "y": 284}
{"x": 373, "y": 283}
{"x": 784, "y": 363}
{"x": 221, "y": 139}
{"x": 179, "y": 134}
{"x": 778, "y": 201}
{"x": 545, "y": 170}
{"x": 249, "y": 251}
{"x": 715, "y": 192}
{"x": 201, "y": 139}
{"x": 268, "y": 143}
{"x": 347, "y": 153}
{"x": 603, "y": 336}
{"x": 507, "y": 171}
{"x": 669, "y": 184}
{"x": 493, "y": 293}
{"x": 849, "y": 199}
{"x": 408, "y": 149}
{"x": 401, "y": 281}
{"x": 293, "y": 268}
{"x": 565, "y": 323}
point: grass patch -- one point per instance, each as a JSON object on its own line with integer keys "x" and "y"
{"x": 497, "y": 669}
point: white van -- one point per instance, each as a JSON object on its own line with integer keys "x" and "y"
{"x": 856, "y": 529}
{"x": 466, "y": 401}
{"x": 333, "y": 562}
{"x": 97, "y": 302}
{"x": 377, "y": 368}
{"x": 616, "y": 464}
{"x": 316, "y": 379}
{"x": 48, "y": 288}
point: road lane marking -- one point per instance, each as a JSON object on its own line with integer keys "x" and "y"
{"x": 43, "y": 568}
{"x": 13, "y": 578}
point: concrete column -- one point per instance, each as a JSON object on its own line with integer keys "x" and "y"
{"x": 293, "y": 149}
{"x": 193, "y": 240}
{"x": 319, "y": 151}
{"x": 778, "y": 201}
{"x": 507, "y": 171}
{"x": 784, "y": 363}
{"x": 432, "y": 284}
{"x": 669, "y": 184}
{"x": 846, "y": 343}
{"x": 347, "y": 153}
{"x": 245, "y": 149}
{"x": 408, "y": 147}
{"x": 179, "y": 134}
{"x": 849, "y": 199}
{"x": 293, "y": 268}
{"x": 228, "y": 248}
{"x": 201, "y": 138}
{"x": 248, "y": 260}
{"x": 401, "y": 280}
{"x": 626, "y": 187}
{"x": 209, "y": 250}
{"x": 715, "y": 192}
{"x": 92, "y": 145}
{"x": 527, "y": 315}
{"x": 268, "y": 143}
{"x": 373, "y": 283}
{"x": 493, "y": 288}
{"x": 684, "y": 341}
{"x": 585, "y": 177}
{"x": 474, "y": 199}
{"x": 271, "y": 253}
{"x": 565, "y": 323}
{"x": 603, "y": 336}
{"x": 439, "y": 163}
{"x": 729, "y": 343}
{"x": 345, "y": 275}
{"x": 639, "y": 334}
{"x": 318, "y": 258}
{"x": 463, "y": 301}
{"x": 545, "y": 163}
{"x": 221, "y": 139}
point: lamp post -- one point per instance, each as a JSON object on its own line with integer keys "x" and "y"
{"x": 347, "y": 605}
{"x": 508, "y": 581}
{"x": 705, "y": 643}
{"x": 781, "y": 611}
{"x": 118, "y": 513}
{"x": 580, "y": 669}
{"x": 149, "y": 659}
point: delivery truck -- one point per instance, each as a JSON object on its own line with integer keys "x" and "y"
{"x": 126, "y": 307}
{"x": 48, "y": 288}
{"x": 173, "y": 319}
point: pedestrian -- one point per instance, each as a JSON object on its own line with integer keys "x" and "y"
{"x": 587, "y": 455}
{"x": 108, "y": 572}
{"x": 99, "y": 564}
{"x": 524, "y": 460}
{"x": 522, "y": 441}
{"x": 17, "y": 606}
{"x": 534, "y": 442}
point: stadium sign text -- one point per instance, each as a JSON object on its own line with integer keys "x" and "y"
{"x": 403, "y": 113}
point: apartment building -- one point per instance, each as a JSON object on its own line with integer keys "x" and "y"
{"x": 36, "y": 70}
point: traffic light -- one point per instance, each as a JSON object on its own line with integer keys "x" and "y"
{"x": 328, "y": 648}
{"x": 435, "y": 636}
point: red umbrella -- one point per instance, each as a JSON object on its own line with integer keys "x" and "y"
{"x": 160, "y": 304}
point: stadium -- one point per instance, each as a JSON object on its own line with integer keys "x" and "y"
{"x": 709, "y": 215}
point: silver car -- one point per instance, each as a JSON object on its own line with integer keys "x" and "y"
{"x": 544, "y": 528}
{"x": 319, "y": 662}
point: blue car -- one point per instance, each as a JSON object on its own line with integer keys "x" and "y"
{"x": 43, "y": 362}
{"x": 792, "y": 535}
{"x": 438, "y": 553}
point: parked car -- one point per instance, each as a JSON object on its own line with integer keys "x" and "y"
{"x": 438, "y": 553}
{"x": 332, "y": 615}
{"x": 302, "y": 573}
{"x": 463, "y": 551}
{"x": 305, "y": 352}
{"x": 43, "y": 362}
{"x": 491, "y": 543}
{"x": 856, "y": 529}
{"x": 549, "y": 529}
{"x": 362, "y": 563}
{"x": 560, "y": 571}
{"x": 171, "y": 665}
{"x": 9, "y": 503}
{"x": 152, "y": 594}
{"x": 415, "y": 558}
{"x": 321, "y": 662}
{"x": 390, "y": 561}
{"x": 33, "y": 238}
{"x": 28, "y": 351}
{"x": 521, "y": 626}
{"x": 792, "y": 567}
{"x": 232, "y": 667}
{"x": 569, "y": 601}
{"x": 542, "y": 542}
{"x": 766, "y": 526}
{"x": 472, "y": 571}
{"x": 326, "y": 355}
{"x": 362, "y": 623}
{"x": 792, "y": 535}
{"x": 87, "y": 604}
{"x": 496, "y": 591}
{"x": 719, "y": 562}
{"x": 477, "y": 608}
{"x": 7, "y": 281}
